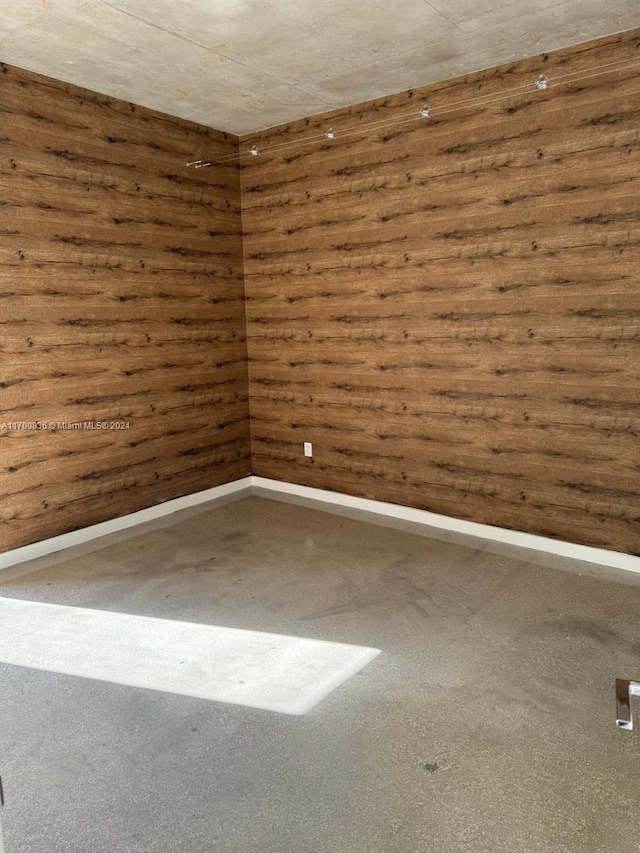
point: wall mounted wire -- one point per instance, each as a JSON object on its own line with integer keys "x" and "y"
{"x": 541, "y": 83}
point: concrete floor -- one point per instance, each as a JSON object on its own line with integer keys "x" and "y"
{"x": 486, "y": 724}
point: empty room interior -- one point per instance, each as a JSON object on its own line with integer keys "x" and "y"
{"x": 319, "y": 426}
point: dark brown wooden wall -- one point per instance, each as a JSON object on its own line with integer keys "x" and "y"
{"x": 121, "y": 301}
{"x": 449, "y": 309}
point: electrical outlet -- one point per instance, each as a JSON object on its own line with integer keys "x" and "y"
{"x": 308, "y": 448}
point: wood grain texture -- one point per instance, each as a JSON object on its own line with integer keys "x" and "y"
{"x": 449, "y": 309}
{"x": 121, "y": 300}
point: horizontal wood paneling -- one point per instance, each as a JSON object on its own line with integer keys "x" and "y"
{"x": 449, "y": 309}
{"x": 121, "y": 299}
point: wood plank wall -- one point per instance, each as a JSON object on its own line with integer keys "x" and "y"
{"x": 122, "y": 302}
{"x": 449, "y": 309}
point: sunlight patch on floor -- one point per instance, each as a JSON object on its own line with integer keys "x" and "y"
{"x": 279, "y": 673}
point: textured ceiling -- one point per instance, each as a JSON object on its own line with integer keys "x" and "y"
{"x": 242, "y": 65}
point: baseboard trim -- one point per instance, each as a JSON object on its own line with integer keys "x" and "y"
{"x": 256, "y": 485}
{"x": 586, "y": 553}
{"x": 115, "y": 525}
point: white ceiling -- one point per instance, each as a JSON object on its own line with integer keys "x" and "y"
{"x": 242, "y": 65}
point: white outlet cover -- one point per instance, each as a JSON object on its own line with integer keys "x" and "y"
{"x": 308, "y": 448}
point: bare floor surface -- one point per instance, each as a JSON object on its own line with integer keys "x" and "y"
{"x": 486, "y": 723}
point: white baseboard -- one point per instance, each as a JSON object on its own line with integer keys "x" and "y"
{"x": 115, "y": 525}
{"x": 600, "y": 556}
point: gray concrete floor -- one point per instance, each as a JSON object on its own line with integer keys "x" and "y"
{"x": 486, "y": 724}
